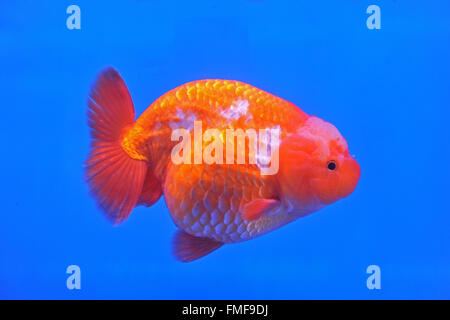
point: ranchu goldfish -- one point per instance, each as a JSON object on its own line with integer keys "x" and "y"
{"x": 131, "y": 162}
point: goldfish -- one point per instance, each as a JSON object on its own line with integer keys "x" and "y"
{"x": 131, "y": 161}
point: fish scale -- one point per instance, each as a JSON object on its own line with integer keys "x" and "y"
{"x": 211, "y": 214}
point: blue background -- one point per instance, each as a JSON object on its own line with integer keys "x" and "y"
{"x": 386, "y": 90}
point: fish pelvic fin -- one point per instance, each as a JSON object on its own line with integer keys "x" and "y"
{"x": 115, "y": 178}
{"x": 187, "y": 248}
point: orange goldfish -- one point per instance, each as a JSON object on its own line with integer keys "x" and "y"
{"x": 131, "y": 162}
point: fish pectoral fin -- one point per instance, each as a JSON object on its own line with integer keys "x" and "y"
{"x": 256, "y": 208}
{"x": 188, "y": 248}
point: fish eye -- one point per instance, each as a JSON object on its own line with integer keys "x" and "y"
{"x": 331, "y": 165}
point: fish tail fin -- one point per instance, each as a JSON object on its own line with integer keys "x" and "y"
{"x": 114, "y": 177}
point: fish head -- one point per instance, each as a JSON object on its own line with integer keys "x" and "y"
{"x": 316, "y": 168}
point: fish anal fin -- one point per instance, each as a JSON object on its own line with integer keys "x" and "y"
{"x": 187, "y": 248}
{"x": 151, "y": 190}
{"x": 256, "y": 208}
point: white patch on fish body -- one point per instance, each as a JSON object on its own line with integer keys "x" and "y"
{"x": 184, "y": 121}
{"x": 237, "y": 109}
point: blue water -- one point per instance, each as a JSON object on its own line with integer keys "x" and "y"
{"x": 386, "y": 90}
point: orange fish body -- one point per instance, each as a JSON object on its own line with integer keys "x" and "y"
{"x": 132, "y": 162}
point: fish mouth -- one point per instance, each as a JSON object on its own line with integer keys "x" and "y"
{"x": 351, "y": 172}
